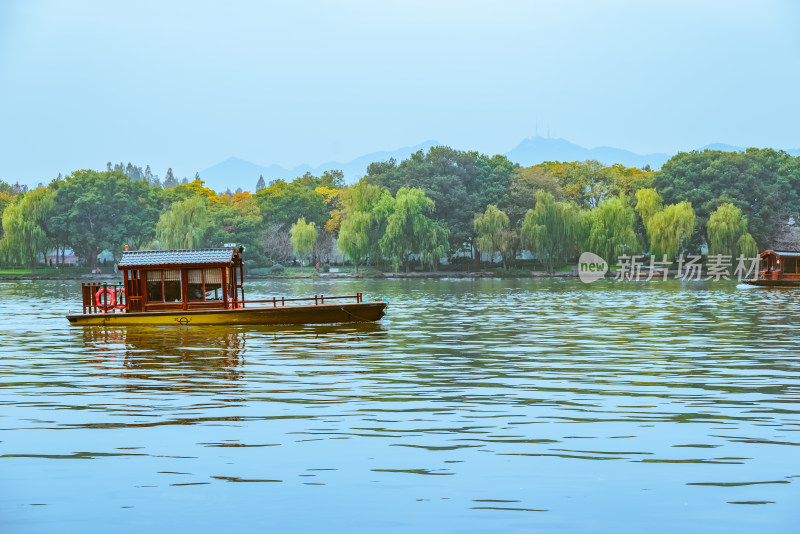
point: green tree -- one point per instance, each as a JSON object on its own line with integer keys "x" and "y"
{"x": 549, "y": 230}
{"x": 648, "y": 203}
{"x": 611, "y": 228}
{"x": 192, "y": 189}
{"x": 408, "y": 225}
{"x": 8, "y": 193}
{"x": 103, "y": 211}
{"x": 489, "y": 182}
{"x": 459, "y": 183}
{"x": 261, "y": 184}
{"x": 354, "y": 239}
{"x": 583, "y": 182}
{"x": 237, "y": 220}
{"x": 24, "y": 236}
{"x": 433, "y": 244}
{"x": 522, "y": 191}
{"x": 185, "y": 225}
{"x": 491, "y": 231}
{"x": 726, "y": 227}
{"x": 56, "y": 233}
{"x": 764, "y": 184}
{"x": 169, "y": 180}
{"x": 670, "y": 229}
{"x": 364, "y": 211}
{"x": 304, "y": 235}
{"x": 283, "y": 203}
{"x": 6, "y": 199}
{"x": 747, "y": 246}
{"x": 627, "y": 180}
{"x": 332, "y": 179}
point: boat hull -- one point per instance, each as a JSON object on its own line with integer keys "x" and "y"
{"x": 773, "y": 283}
{"x": 262, "y": 315}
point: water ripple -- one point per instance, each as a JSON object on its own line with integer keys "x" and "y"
{"x": 472, "y": 401}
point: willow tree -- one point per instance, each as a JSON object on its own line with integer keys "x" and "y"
{"x": 185, "y": 225}
{"x": 610, "y": 228}
{"x": 670, "y": 229}
{"x": 747, "y": 246}
{"x": 408, "y": 227}
{"x": 491, "y": 232}
{"x": 354, "y": 239}
{"x": 434, "y": 244}
{"x": 648, "y": 203}
{"x": 549, "y": 230}
{"x": 360, "y": 221}
{"x": 509, "y": 244}
{"x": 24, "y": 236}
{"x": 7, "y": 196}
{"x": 726, "y": 227}
{"x": 304, "y": 235}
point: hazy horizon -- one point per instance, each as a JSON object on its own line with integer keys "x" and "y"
{"x": 188, "y": 85}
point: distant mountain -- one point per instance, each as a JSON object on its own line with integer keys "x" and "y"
{"x": 535, "y": 150}
{"x": 236, "y": 172}
{"x": 354, "y": 170}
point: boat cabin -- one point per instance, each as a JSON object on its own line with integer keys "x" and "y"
{"x": 171, "y": 280}
{"x": 777, "y": 265}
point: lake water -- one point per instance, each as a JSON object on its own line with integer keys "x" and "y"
{"x": 473, "y": 406}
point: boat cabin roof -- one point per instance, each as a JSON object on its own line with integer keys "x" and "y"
{"x": 785, "y": 254}
{"x": 146, "y": 259}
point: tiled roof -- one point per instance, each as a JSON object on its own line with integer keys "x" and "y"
{"x": 782, "y": 253}
{"x": 137, "y": 258}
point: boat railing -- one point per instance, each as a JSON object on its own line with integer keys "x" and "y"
{"x": 102, "y": 297}
{"x": 97, "y": 297}
{"x": 318, "y": 299}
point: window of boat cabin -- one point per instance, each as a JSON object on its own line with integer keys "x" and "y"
{"x": 164, "y": 285}
{"x": 790, "y": 264}
{"x": 205, "y": 284}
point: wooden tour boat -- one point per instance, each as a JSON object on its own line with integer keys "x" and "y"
{"x": 204, "y": 287}
{"x": 778, "y": 269}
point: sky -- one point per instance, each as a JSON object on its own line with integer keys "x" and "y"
{"x": 189, "y": 84}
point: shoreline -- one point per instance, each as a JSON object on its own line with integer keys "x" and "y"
{"x": 319, "y": 276}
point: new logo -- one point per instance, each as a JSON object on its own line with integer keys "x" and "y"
{"x": 591, "y": 267}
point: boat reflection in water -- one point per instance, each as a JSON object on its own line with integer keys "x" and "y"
{"x": 217, "y": 352}
{"x": 211, "y": 353}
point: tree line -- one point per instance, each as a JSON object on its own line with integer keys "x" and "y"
{"x": 460, "y": 206}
